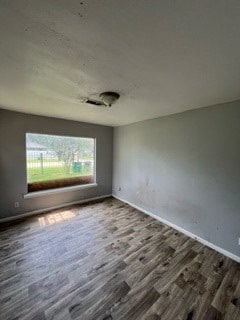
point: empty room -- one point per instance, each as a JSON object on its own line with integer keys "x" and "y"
{"x": 119, "y": 160}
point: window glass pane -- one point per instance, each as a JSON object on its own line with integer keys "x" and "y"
{"x": 59, "y": 161}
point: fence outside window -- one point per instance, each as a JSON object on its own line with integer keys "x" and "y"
{"x": 71, "y": 162}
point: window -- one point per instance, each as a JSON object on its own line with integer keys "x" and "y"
{"x": 59, "y": 161}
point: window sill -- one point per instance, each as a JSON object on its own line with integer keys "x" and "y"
{"x": 58, "y": 190}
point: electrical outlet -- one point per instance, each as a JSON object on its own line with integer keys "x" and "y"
{"x": 16, "y": 204}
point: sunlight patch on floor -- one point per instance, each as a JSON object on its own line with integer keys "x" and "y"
{"x": 56, "y": 218}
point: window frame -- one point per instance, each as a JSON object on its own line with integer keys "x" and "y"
{"x": 33, "y": 194}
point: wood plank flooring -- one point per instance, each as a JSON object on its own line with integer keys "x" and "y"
{"x": 106, "y": 260}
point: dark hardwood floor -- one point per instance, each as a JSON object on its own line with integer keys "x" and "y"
{"x": 106, "y": 260}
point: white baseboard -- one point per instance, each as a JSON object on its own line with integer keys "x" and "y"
{"x": 180, "y": 229}
{"x": 35, "y": 212}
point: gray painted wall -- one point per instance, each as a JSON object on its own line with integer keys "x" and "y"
{"x": 186, "y": 169}
{"x": 13, "y": 185}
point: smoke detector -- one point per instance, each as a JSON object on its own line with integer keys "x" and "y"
{"x": 106, "y": 99}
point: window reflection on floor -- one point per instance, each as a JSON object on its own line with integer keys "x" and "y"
{"x": 54, "y": 218}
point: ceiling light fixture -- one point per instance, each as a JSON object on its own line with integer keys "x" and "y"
{"x": 109, "y": 97}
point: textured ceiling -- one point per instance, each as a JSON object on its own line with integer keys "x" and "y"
{"x": 163, "y": 57}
